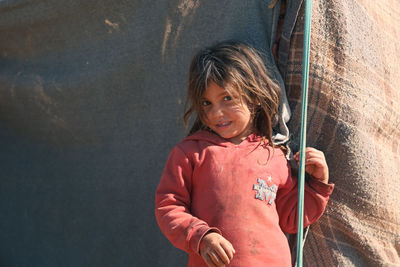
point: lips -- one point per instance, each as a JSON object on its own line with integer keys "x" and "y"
{"x": 223, "y": 124}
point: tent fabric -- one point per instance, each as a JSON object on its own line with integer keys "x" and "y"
{"x": 354, "y": 116}
{"x": 91, "y": 101}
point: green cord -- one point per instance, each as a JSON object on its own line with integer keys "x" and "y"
{"x": 304, "y": 94}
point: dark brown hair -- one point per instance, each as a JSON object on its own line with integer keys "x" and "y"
{"x": 240, "y": 70}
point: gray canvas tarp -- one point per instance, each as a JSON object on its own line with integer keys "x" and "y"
{"x": 91, "y": 100}
{"x": 91, "y": 97}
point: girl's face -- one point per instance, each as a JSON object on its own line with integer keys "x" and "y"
{"x": 225, "y": 115}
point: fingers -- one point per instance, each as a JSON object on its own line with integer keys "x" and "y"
{"x": 209, "y": 261}
{"x": 222, "y": 255}
{"x": 313, "y": 157}
{"x": 214, "y": 259}
{"x": 216, "y": 250}
{"x": 315, "y": 161}
{"x": 315, "y": 164}
{"x": 311, "y": 154}
{"x": 310, "y": 150}
{"x": 229, "y": 250}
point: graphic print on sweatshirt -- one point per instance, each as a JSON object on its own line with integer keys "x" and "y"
{"x": 265, "y": 192}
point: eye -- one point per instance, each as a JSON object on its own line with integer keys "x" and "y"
{"x": 205, "y": 103}
{"x": 227, "y": 98}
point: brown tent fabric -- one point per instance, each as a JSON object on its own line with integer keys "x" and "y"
{"x": 354, "y": 116}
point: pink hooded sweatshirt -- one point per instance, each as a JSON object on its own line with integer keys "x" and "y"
{"x": 244, "y": 192}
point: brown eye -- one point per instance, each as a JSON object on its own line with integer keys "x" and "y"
{"x": 205, "y": 103}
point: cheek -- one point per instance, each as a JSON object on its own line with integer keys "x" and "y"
{"x": 204, "y": 118}
{"x": 203, "y": 112}
{"x": 246, "y": 117}
{"x": 242, "y": 112}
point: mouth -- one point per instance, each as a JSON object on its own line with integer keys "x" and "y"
{"x": 223, "y": 124}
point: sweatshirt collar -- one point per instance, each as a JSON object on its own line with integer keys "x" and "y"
{"x": 206, "y": 135}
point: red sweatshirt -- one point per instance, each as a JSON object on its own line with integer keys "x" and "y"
{"x": 244, "y": 192}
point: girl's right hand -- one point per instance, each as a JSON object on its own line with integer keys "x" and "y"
{"x": 216, "y": 250}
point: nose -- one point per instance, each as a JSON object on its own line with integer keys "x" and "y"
{"x": 216, "y": 112}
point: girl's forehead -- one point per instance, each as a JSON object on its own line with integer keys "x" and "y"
{"x": 213, "y": 89}
{"x": 221, "y": 87}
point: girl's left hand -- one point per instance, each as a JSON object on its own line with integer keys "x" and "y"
{"x": 315, "y": 164}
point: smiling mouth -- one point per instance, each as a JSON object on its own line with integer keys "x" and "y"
{"x": 224, "y": 124}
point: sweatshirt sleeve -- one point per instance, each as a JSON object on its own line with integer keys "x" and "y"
{"x": 316, "y": 196}
{"x": 173, "y": 203}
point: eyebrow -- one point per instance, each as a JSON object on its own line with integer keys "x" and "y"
{"x": 223, "y": 93}
{"x": 219, "y": 95}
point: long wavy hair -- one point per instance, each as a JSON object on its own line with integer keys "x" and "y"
{"x": 239, "y": 69}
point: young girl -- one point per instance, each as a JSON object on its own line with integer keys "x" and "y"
{"x": 227, "y": 195}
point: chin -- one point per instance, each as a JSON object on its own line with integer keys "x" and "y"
{"x": 226, "y": 136}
